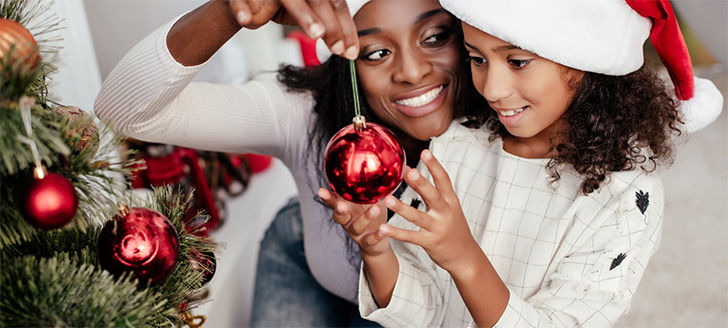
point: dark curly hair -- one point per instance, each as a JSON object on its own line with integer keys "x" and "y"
{"x": 614, "y": 123}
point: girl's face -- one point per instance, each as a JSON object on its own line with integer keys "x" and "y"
{"x": 407, "y": 64}
{"x": 530, "y": 94}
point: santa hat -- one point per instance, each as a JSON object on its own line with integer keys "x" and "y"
{"x": 601, "y": 36}
{"x": 322, "y": 51}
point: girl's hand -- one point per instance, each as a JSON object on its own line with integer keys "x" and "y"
{"x": 444, "y": 233}
{"x": 361, "y": 222}
{"x": 326, "y": 19}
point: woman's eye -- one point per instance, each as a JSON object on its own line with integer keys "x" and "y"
{"x": 477, "y": 61}
{"x": 376, "y": 55}
{"x": 519, "y": 63}
{"x": 436, "y": 39}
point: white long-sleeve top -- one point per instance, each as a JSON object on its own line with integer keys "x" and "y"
{"x": 567, "y": 259}
{"x": 148, "y": 96}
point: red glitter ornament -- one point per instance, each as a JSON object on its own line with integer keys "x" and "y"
{"x": 142, "y": 241}
{"x": 50, "y": 201}
{"x": 364, "y": 162}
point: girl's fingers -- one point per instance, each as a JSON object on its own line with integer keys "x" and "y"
{"x": 241, "y": 11}
{"x": 306, "y": 18}
{"x": 342, "y": 214}
{"x": 363, "y": 221}
{"x": 429, "y": 193}
{"x": 439, "y": 175}
{"x": 372, "y": 238}
{"x": 408, "y": 236}
{"x": 410, "y": 213}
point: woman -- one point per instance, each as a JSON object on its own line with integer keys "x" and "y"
{"x": 410, "y": 74}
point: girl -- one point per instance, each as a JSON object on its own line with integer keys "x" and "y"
{"x": 306, "y": 275}
{"x": 555, "y": 209}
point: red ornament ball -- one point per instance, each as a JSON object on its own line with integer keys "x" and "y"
{"x": 142, "y": 241}
{"x": 17, "y": 46}
{"x": 50, "y": 202}
{"x": 364, "y": 166}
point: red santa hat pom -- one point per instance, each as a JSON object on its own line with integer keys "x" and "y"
{"x": 600, "y": 36}
{"x": 701, "y": 102}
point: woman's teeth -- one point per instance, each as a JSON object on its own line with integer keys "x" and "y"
{"x": 422, "y": 99}
{"x": 511, "y": 112}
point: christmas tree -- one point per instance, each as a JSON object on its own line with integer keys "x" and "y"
{"x": 77, "y": 248}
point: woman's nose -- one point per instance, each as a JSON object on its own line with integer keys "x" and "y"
{"x": 412, "y": 66}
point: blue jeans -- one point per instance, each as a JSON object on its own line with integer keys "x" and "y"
{"x": 286, "y": 293}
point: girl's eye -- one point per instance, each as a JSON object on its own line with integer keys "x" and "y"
{"x": 477, "y": 61}
{"x": 376, "y": 54}
{"x": 519, "y": 63}
{"x": 438, "y": 38}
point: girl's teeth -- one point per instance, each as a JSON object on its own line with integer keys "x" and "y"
{"x": 422, "y": 99}
{"x": 511, "y": 112}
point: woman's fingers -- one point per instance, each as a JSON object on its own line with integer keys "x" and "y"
{"x": 411, "y": 214}
{"x": 241, "y": 11}
{"x": 332, "y": 36}
{"x": 348, "y": 28}
{"x": 305, "y": 17}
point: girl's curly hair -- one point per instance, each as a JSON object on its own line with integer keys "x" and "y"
{"x": 614, "y": 123}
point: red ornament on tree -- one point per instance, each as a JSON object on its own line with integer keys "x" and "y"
{"x": 364, "y": 162}
{"x": 139, "y": 240}
{"x": 50, "y": 201}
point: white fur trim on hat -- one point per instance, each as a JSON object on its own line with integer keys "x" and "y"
{"x": 601, "y": 36}
{"x": 322, "y": 51}
{"x": 703, "y": 108}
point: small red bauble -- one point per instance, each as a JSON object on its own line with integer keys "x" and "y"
{"x": 17, "y": 46}
{"x": 364, "y": 165}
{"x": 139, "y": 240}
{"x": 50, "y": 202}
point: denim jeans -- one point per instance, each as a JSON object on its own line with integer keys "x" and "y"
{"x": 286, "y": 293}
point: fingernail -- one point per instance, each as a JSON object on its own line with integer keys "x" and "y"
{"x": 316, "y": 30}
{"x": 426, "y": 154}
{"x": 383, "y": 229}
{"x": 242, "y": 17}
{"x": 413, "y": 174}
{"x": 322, "y": 194}
{"x": 350, "y": 53}
{"x": 338, "y": 47}
{"x": 389, "y": 201}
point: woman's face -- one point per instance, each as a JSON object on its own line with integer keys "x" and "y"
{"x": 408, "y": 64}
{"x": 529, "y": 93}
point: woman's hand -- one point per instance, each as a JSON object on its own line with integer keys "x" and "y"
{"x": 326, "y": 19}
{"x": 444, "y": 233}
{"x": 361, "y": 222}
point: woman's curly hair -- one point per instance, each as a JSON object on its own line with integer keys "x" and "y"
{"x": 614, "y": 123}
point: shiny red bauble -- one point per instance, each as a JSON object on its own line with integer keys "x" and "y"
{"x": 17, "y": 46}
{"x": 364, "y": 166}
{"x": 141, "y": 241}
{"x": 50, "y": 202}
